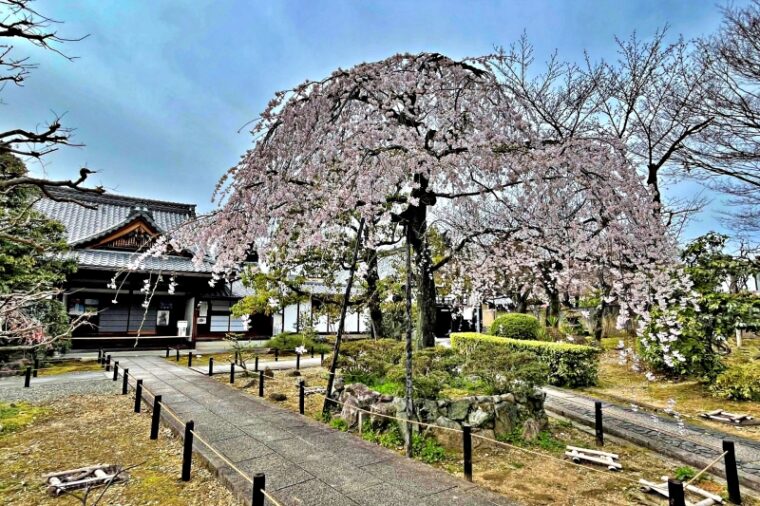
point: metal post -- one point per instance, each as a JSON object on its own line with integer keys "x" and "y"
{"x": 187, "y": 453}
{"x": 312, "y": 352}
{"x": 156, "y": 417}
{"x": 467, "y": 447}
{"x": 256, "y": 363}
{"x": 36, "y": 366}
{"x": 232, "y": 372}
{"x": 732, "y": 475}
{"x": 211, "y": 366}
{"x": 301, "y": 396}
{"x": 190, "y": 359}
{"x": 258, "y": 489}
{"x": 167, "y": 352}
{"x": 100, "y": 355}
{"x": 598, "y": 424}
{"x": 322, "y": 358}
{"x": 177, "y": 359}
{"x": 276, "y": 354}
{"x": 138, "y": 395}
{"x": 27, "y": 377}
{"x": 125, "y": 383}
{"x": 261, "y": 383}
{"x": 298, "y": 361}
{"x": 108, "y": 363}
{"x": 675, "y": 493}
{"x": 116, "y": 370}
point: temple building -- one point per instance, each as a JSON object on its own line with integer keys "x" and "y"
{"x": 107, "y": 233}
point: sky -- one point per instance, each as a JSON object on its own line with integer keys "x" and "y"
{"x": 161, "y": 90}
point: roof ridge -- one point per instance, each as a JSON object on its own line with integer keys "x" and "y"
{"x": 117, "y": 199}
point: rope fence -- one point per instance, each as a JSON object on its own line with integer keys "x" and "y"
{"x": 260, "y": 493}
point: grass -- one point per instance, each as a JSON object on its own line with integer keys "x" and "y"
{"x": 85, "y": 430}
{"x": 525, "y": 477}
{"x": 14, "y": 417}
{"x": 618, "y": 383}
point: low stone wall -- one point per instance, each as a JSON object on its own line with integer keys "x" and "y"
{"x": 489, "y": 415}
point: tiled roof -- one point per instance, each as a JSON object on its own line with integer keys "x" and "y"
{"x": 104, "y": 212}
{"x": 117, "y": 260}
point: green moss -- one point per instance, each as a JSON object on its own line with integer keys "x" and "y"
{"x": 17, "y": 416}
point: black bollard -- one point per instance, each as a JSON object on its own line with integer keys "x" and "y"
{"x": 301, "y": 397}
{"x": 187, "y": 452}
{"x": 232, "y": 372}
{"x": 125, "y": 383}
{"x": 211, "y": 366}
{"x": 598, "y": 423}
{"x": 100, "y": 355}
{"x": 177, "y": 359}
{"x": 115, "y": 370}
{"x": 261, "y": 383}
{"x": 675, "y": 493}
{"x": 36, "y": 366}
{"x": 156, "y": 417}
{"x": 190, "y": 359}
{"x": 138, "y": 395}
{"x": 258, "y": 490}
{"x": 167, "y": 352}
{"x": 108, "y": 363}
{"x": 27, "y": 377}
{"x": 467, "y": 448}
{"x": 276, "y": 354}
{"x": 322, "y": 358}
{"x": 732, "y": 474}
{"x": 298, "y": 361}
{"x": 256, "y": 363}
{"x": 312, "y": 352}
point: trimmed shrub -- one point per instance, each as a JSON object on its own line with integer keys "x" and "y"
{"x": 368, "y": 361}
{"x": 569, "y": 365}
{"x": 740, "y": 382}
{"x": 516, "y": 326}
{"x": 287, "y": 342}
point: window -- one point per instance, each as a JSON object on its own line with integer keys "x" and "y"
{"x": 222, "y": 320}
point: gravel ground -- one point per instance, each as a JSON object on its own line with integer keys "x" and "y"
{"x": 46, "y": 389}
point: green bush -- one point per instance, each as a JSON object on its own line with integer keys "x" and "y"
{"x": 368, "y": 361}
{"x": 516, "y": 326}
{"x": 287, "y": 342}
{"x": 504, "y": 370}
{"x": 432, "y": 370}
{"x": 740, "y": 382}
{"x": 569, "y": 365}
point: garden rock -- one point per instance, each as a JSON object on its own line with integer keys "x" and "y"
{"x": 458, "y": 409}
{"x": 276, "y": 396}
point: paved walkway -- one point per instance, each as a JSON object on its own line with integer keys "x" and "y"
{"x": 690, "y": 444}
{"x": 304, "y": 461}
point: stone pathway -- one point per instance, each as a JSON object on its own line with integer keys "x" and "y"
{"x": 691, "y": 444}
{"x": 305, "y": 462}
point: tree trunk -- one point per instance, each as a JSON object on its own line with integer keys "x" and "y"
{"x": 409, "y": 404}
{"x": 554, "y": 308}
{"x": 654, "y": 183}
{"x": 373, "y": 296}
{"x": 426, "y": 292}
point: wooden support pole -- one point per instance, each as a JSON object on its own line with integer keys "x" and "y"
{"x": 259, "y": 483}
{"x": 156, "y": 417}
{"x": 125, "y": 382}
{"x": 676, "y": 495}
{"x": 298, "y": 361}
{"x": 312, "y": 352}
{"x": 177, "y": 359}
{"x": 167, "y": 352}
{"x": 190, "y": 359}
{"x": 108, "y": 363}
{"x": 211, "y": 366}
{"x": 598, "y": 422}
{"x": 100, "y": 355}
{"x": 138, "y": 395}
{"x": 732, "y": 474}
{"x": 467, "y": 448}
{"x": 256, "y": 363}
{"x": 36, "y": 366}
{"x": 116, "y": 370}
{"x": 322, "y": 358}
{"x": 261, "y": 383}
{"x": 27, "y": 377}
{"x": 276, "y": 354}
{"x": 187, "y": 451}
{"x": 232, "y": 372}
{"x": 301, "y": 396}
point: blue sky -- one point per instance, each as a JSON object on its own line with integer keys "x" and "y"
{"x": 162, "y": 87}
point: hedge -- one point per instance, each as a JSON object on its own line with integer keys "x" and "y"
{"x": 570, "y": 365}
{"x": 515, "y": 326}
